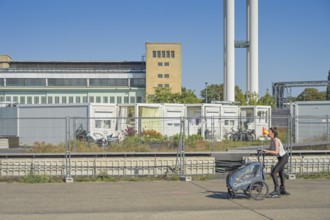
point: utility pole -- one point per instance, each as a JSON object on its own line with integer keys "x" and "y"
{"x": 206, "y": 92}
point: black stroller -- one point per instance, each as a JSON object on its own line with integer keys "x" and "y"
{"x": 250, "y": 178}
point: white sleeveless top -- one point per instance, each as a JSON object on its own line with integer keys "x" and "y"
{"x": 281, "y": 150}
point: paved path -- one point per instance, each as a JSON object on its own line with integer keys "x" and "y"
{"x": 310, "y": 199}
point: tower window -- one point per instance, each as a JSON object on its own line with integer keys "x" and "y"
{"x": 172, "y": 54}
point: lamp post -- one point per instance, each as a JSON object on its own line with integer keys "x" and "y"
{"x": 205, "y": 92}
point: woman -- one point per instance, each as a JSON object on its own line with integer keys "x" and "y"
{"x": 276, "y": 148}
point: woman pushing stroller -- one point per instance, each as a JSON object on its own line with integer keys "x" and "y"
{"x": 276, "y": 148}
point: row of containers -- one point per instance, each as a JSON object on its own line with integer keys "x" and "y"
{"x": 57, "y": 123}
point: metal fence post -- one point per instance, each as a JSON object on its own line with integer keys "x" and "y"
{"x": 181, "y": 153}
{"x": 68, "y": 178}
{"x": 328, "y": 128}
{"x": 291, "y": 122}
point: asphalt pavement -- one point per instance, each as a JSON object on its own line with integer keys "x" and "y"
{"x": 309, "y": 199}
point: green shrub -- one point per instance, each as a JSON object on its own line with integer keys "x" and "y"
{"x": 39, "y": 179}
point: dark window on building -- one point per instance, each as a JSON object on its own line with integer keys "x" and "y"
{"x": 160, "y": 75}
{"x": 154, "y": 54}
{"x": 163, "y": 54}
{"x": 77, "y": 99}
{"x": 57, "y": 99}
{"x": 126, "y": 99}
{"x": 105, "y": 99}
{"x": 67, "y": 82}
{"x": 85, "y": 99}
{"x": 64, "y": 99}
{"x": 15, "y": 99}
{"x": 172, "y": 54}
{"x": 139, "y": 99}
{"x": 122, "y": 82}
{"x": 8, "y": 98}
{"x": 138, "y": 82}
{"x": 25, "y": 82}
{"x": 22, "y": 100}
{"x": 2, "y": 82}
{"x": 158, "y": 54}
{"x": 108, "y": 82}
{"x": 50, "y": 100}
{"x": 160, "y": 85}
{"x": 166, "y": 64}
{"x": 43, "y": 100}
{"x": 98, "y": 99}
{"x": 119, "y": 100}
{"x": 112, "y": 99}
{"x": 70, "y": 99}
{"x": 167, "y": 75}
{"x": 166, "y": 85}
{"x": 132, "y": 99}
{"x": 160, "y": 64}
{"x": 29, "y": 100}
{"x": 91, "y": 99}
{"x": 168, "y": 54}
{"x": 36, "y": 100}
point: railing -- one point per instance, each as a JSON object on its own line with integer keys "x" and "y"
{"x": 69, "y": 70}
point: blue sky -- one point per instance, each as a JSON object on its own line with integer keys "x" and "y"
{"x": 294, "y": 35}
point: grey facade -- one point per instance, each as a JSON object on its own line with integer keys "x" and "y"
{"x": 311, "y": 121}
{"x": 43, "y": 123}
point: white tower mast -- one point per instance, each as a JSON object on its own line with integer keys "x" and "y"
{"x": 253, "y": 65}
{"x": 229, "y": 50}
{"x": 251, "y": 45}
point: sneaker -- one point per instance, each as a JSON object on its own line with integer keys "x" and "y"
{"x": 283, "y": 191}
{"x": 276, "y": 192}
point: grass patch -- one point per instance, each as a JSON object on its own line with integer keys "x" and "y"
{"x": 35, "y": 179}
{"x": 133, "y": 145}
{"x": 322, "y": 175}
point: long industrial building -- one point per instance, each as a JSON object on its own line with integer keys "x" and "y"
{"x": 66, "y": 82}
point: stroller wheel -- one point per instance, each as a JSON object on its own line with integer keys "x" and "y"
{"x": 258, "y": 190}
{"x": 247, "y": 192}
{"x": 230, "y": 194}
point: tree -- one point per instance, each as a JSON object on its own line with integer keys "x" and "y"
{"x": 239, "y": 96}
{"x": 164, "y": 95}
{"x": 311, "y": 94}
{"x": 267, "y": 99}
{"x": 215, "y": 92}
{"x": 252, "y": 98}
{"x": 188, "y": 97}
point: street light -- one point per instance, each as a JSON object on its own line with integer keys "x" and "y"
{"x": 206, "y": 92}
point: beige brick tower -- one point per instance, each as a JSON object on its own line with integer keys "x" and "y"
{"x": 163, "y": 67}
{"x": 4, "y": 61}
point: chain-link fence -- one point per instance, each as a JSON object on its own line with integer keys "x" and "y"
{"x": 163, "y": 131}
{"x": 167, "y": 134}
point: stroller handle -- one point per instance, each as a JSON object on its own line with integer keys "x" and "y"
{"x": 261, "y": 153}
